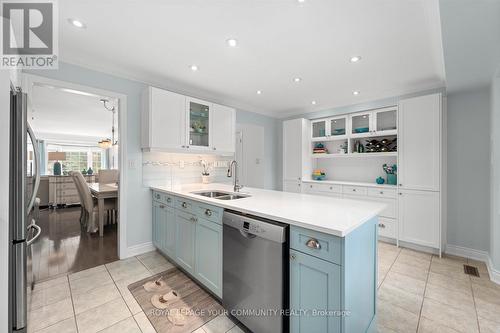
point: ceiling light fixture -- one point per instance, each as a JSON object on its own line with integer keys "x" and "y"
{"x": 232, "y": 42}
{"x": 77, "y": 23}
{"x": 313, "y": 102}
{"x": 355, "y": 92}
{"x": 355, "y": 58}
{"x": 259, "y": 92}
{"x": 297, "y": 79}
{"x": 301, "y": 1}
{"x": 194, "y": 68}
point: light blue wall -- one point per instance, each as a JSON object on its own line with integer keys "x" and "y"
{"x": 272, "y": 146}
{"x": 495, "y": 174}
{"x": 468, "y": 169}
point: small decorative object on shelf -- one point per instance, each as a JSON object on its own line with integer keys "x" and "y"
{"x": 84, "y": 172}
{"x": 57, "y": 168}
{"x": 198, "y": 126}
{"x": 361, "y": 130}
{"x": 205, "y": 174}
{"x": 319, "y": 148}
{"x": 392, "y": 172}
{"x": 344, "y": 146}
{"x": 318, "y": 174}
{"x": 90, "y": 171}
{"x": 380, "y": 180}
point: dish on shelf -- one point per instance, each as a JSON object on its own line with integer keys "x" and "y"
{"x": 338, "y": 131}
{"x": 361, "y": 130}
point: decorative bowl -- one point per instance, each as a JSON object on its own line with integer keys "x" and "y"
{"x": 361, "y": 130}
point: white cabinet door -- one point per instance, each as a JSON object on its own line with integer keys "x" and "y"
{"x": 293, "y": 149}
{"x": 419, "y": 216}
{"x": 198, "y": 118}
{"x": 167, "y": 119}
{"x": 223, "y": 128}
{"x": 293, "y": 186}
{"x": 361, "y": 124}
{"x": 420, "y": 142}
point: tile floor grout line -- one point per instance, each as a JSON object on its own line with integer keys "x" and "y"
{"x": 474, "y": 300}
{"x": 72, "y": 303}
{"x": 423, "y": 296}
{"x": 385, "y": 276}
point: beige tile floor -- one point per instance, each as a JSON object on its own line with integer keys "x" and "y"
{"x": 418, "y": 292}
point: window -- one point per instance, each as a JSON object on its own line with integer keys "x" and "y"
{"x": 78, "y": 158}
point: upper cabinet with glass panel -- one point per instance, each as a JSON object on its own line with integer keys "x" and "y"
{"x": 361, "y": 124}
{"x": 199, "y": 123}
{"x": 374, "y": 123}
{"x": 386, "y": 121}
{"x": 329, "y": 129}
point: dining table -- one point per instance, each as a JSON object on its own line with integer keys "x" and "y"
{"x": 102, "y": 192}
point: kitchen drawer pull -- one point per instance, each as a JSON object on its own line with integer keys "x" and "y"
{"x": 381, "y": 225}
{"x": 313, "y": 244}
{"x": 193, "y": 219}
{"x": 184, "y": 205}
{"x": 292, "y": 257}
{"x": 381, "y": 192}
{"x": 157, "y": 196}
{"x": 162, "y": 206}
{"x": 208, "y": 212}
{"x": 331, "y": 187}
{"x": 169, "y": 199}
{"x": 354, "y": 190}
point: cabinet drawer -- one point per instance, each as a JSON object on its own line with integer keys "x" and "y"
{"x": 184, "y": 204}
{"x": 318, "y": 244}
{"x": 67, "y": 192}
{"x": 164, "y": 198}
{"x": 382, "y": 192}
{"x": 328, "y": 188}
{"x": 208, "y": 212}
{"x": 66, "y": 186}
{"x": 355, "y": 190}
{"x": 390, "y": 209}
{"x": 387, "y": 227}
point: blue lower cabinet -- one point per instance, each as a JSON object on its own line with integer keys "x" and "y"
{"x": 157, "y": 223}
{"x": 185, "y": 230}
{"x": 169, "y": 232}
{"x": 208, "y": 257}
{"x": 315, "y": 294}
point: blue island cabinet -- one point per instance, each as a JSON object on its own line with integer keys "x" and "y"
{"x": 333, "y": 280}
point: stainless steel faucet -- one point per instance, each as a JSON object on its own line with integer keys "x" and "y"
{"x": 234, "y": 174}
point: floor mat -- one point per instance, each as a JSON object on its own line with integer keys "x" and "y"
{"x": 174, "y": 303}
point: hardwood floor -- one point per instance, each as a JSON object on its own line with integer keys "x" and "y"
{"x": 64, "y": 248}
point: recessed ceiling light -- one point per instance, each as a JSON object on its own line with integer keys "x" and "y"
{"x": 297, "y": 79}
{"x": 355, "y": 92}
{"x": 232, "y": 42}
{"x": 259, "y": 92}
{"x": 77, "y": 23}
{"x": 313, "y": 102}
{"x": 301, "y": 1}
{"x": 355, "y": 58}
{"x": 194, "y": 68}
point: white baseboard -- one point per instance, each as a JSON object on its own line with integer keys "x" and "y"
{"x": 466, "y": 252}
{"x": 138, "y": 249}
{"x": 478, "y": 255}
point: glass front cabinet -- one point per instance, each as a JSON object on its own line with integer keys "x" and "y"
{"x": 374, "y": 123}
{"x": 334, "y": 128}
{"x": 199, "y": 114}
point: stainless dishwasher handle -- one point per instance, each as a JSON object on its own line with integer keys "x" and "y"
{"x": 313, "y": 244}
{"x": 246, "y": 234}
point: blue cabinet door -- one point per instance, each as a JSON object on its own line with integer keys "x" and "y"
{"x": 157, "y": 213}
{"x": 209, "y": 254}
{"x": 185, "y": 228}
{"x": 169, "y": 232}
{"x": 314, "y": 286}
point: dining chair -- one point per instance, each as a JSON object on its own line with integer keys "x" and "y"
{"x": 108, "y": 176}
{"x": 90, "y": 204}
{"x": 83, "y": 212}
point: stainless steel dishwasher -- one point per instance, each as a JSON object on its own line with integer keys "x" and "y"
{"x": 255, "y": 272}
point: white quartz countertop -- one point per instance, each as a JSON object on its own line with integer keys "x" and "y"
{"x": 321, "y": 213}
{"x": 338, "y": 182}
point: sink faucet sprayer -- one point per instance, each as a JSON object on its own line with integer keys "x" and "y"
{"x": 234, "y": 174}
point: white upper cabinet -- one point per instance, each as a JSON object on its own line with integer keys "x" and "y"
{"x": 420, "y": 143}
{"x": 199, "y": 118}
{"x": 296, "y": 149}
{"x": 163, "y": 110}
{"x": 374, "y": 123}
{"x": 177, "y": 123}
{"x": 327, "y": 129}
{"x": 361, "y": 124}
{"x": 223, "y": 128}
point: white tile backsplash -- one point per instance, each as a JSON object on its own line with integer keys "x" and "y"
{"x": 170, "y": 169}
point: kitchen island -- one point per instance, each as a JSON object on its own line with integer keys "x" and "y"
{"x": 332, "y": 247}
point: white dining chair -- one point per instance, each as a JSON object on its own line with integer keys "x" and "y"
{"x": 108, "y": 176}
{"x": 83, "y": 212}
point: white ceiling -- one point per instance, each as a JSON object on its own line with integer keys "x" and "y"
{"x": 471, "y": 42}
{"x": 157, "y": 41}
{"x": 65, "y": 116}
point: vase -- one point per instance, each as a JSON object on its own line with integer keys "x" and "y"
{"x": 57, "y": 169}
{"x": 205, "y": 179}
{"x": 392, "y": 179}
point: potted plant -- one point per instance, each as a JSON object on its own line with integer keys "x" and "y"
{"x": 392, "y": 172}
{"x": 205, "y": 173}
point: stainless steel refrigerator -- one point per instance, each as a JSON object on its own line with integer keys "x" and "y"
{"x": 24, "y": 181}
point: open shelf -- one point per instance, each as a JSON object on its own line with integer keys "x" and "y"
{"x": 358, "y": 155}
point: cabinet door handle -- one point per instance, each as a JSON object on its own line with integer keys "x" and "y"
{"x": 331, "y": 187}
{"x": 400, "y": 184}
{"x": 400, "y": 193}
{"x": 381, "y": 225}
{"x": 208, "y": 212}
{"x": 310, "y": 186}
{"x": 215, "y": 148}
{"x": 292, "y": 257}
{"x": 193, "y": 219}
{"x": 354, "y": 190}
{"x": 313, "y": 244}
{"x": 162, "y": 206}
{"x": 169, "y": 199}
{"x": 184, "y": 205}
{"x": 381, "y": 192}
{"x": 187, "y": 146}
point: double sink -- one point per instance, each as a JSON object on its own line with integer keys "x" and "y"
{"x": 221, "y": 195}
